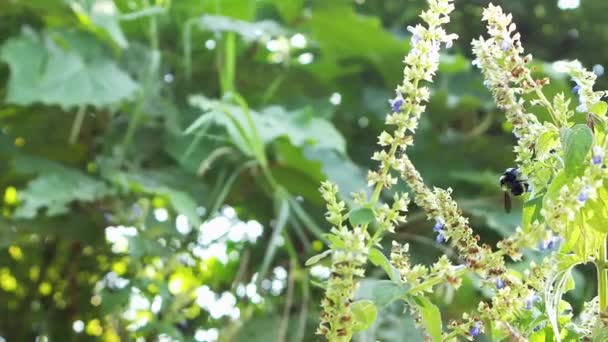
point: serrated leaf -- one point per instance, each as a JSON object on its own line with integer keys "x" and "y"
{"x": 55, "y": 191}
{"x": 79, "y": 74}
{"x": 316, "y": 258}
{"x": 379, "y": 259}
{"x": 364, "y": 314}
{"x": 599, "y": 109}
{"x": 576, "y": 142}
{"x": 381, "y": 292}
{"x": 361, "y": 216}
{"x": 431, "y": 317}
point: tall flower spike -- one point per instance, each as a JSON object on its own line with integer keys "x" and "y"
{"x": 421, "y": 64}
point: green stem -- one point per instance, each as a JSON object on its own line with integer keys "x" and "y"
{"x": 77, "y": 125}
{"x": 602, "y": 277}
{"x": 386, "y": 169}
{"x": 429, "y": 283}
{"x": 229, "y": 64}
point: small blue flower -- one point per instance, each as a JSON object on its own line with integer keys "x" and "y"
{"x": 537, "y": 328}
{"x": 576, "y": 89}
{"x": 597, "y": 160}
{"x": 396, "y": 103}
{"x": 475, "y": 330}
{"x": 487, "y": 84}
{"x": 583, "y": 196}
{"x": 440, "y": 238}
{"x": 597, "y": 156}
{"x": 500, "y": 284}
{"x": 439, "y": 226}
{"x": 505, "y": 45}
{"x": 531, "y": 300}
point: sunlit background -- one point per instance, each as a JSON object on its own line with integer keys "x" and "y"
{"x": 141, "y": 203}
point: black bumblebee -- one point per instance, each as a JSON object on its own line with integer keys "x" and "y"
{"x": 512, "y": 185}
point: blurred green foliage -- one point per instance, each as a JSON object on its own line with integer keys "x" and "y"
{"x": 127, "y": 124}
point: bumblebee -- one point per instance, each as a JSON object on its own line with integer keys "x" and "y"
{"x": 512, "y": 185}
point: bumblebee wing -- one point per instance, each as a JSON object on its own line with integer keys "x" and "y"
{"x": 507, "y": 199}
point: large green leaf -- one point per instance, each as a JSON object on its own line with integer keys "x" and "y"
{"x": 381, "y": 292}
{"x": 431, "y": 317}
{"x": 55, "y": 190}
{"x": 364, "y": 314}
{"x": 576, "y": 142}
{"x": 73, "y": 73}
{"x": 343, "y": 34}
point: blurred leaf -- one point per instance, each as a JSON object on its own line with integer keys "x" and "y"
{"x": 56, "y": 190}
{"x": 150, "y": 183}
{"x": 300, "y": 127}
{"x": 364, "y": 314}
{"x": 248, "y": 31}
{"x": 316, "y": 258}
{"x": 576, "y": 142}
{"x": 42, "y": 71}
{"x": 600, "y": 108}
{"x": 379, "y": 259}
{"x": 361, "y": 216}
{"x": 431, "y": 317}
{"x": 103, "y": 14}
{"x": 381, "y": 292}
{"x": 451, "y": 64}
{"x": 289, "y": 10}
{"x": 531, "y": 212}
{"x": 354, "y": 36}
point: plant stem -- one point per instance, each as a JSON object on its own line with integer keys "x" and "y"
{"x": 229, "y": 64}
{"x": 78, "y": 120}
{"x": 602, "y": 277}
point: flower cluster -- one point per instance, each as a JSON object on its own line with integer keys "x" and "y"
{"x": 348, "y": 256}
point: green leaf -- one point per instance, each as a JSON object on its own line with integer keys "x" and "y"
{"x": 301, "y": 127}
{"x": 431, "y": 317}
{"x": 599, "y": 109}
{"x": 335, "y": 241}
{"x": 595, "y": 212}
{"x": 556, "y": 186}
{"x": 353, "y": 36}
{"x": 248, "y": 31}
{"x": 74, "y": 73}
{"x": 546, "y": 142}
{"x": 55, "y": 190}
{"x": 316, "y": 258}
{"x": 361, "y": 216}
{"x": 102, "y": 14}
{"x": 381, "y": 292}
{"x": 379, "y": 259}
{"x": 156, "y": 183}
{"x": 576, "y": 142}
{"x": 289, "y": 10}
{"x": 531, "y": 212}
{"x": 364, "y": 314}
